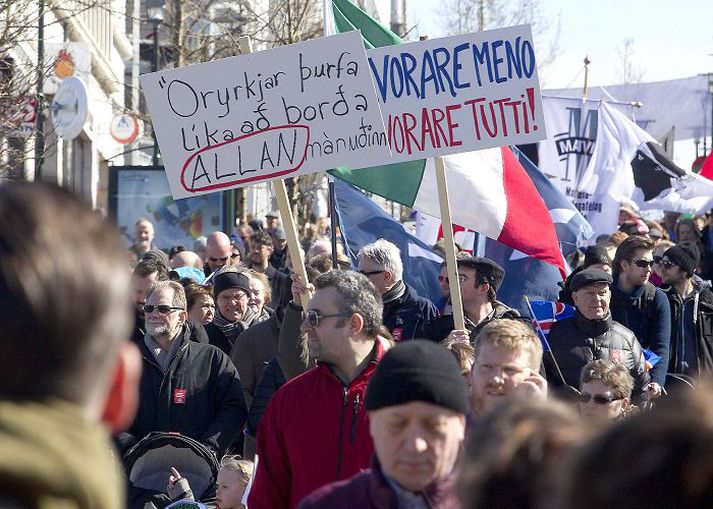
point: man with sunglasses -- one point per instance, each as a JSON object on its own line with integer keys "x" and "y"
{"x": 639, "y": 306}
{"x": 691, "y": 302}
{"x": 218, "y": 252}
{"x": 405, "y": 312}
{"x": 315, "y": 429}
{"x": 186, "y": 387}
{"x": 261, "y": 248}
{"x": 591, "y": 334}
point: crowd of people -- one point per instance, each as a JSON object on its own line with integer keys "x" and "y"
{"x": 367, "y": 397}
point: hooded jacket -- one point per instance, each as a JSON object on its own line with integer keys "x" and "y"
{"x": 315, "y": 431}
{"x": 199, "y": 395}
{"x": 691, "y": 324}
{"x": 576, "y": 341}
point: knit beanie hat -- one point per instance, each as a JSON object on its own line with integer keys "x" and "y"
{"x": 685, "y": 254}
{"x": 226, "y": 280}
{"x": 417, "y": 371}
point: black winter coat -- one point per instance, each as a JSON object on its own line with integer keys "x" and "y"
{"x": 200, "y": 396}
{"x": 439, "y": 328}
{"x": 576, "y": 341}
{"x": 406, "y": 316}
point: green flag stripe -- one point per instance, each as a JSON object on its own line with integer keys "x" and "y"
{"x": 398, "y": 182}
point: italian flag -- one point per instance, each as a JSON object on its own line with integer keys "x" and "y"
{"x": 489, "y": 190}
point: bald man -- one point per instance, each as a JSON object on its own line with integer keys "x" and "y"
{"x": 187, "y": 259}
{"x": 218, "y": 252}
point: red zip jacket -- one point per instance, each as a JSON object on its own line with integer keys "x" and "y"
{"x": 315, "y": 431}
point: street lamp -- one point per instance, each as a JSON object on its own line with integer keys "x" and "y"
{"x": 154, "y": 10}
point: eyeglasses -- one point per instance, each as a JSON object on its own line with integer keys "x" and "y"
{"x": 657, "y": 259}
{"x": 313, "y": 316}
{"x": 599, "y": 399}
{"x": 461, "y": 277}
{"x": 370, "y": 272}
{"x": 223, "y": 259}
{"x": 666, "y": 264}
{"x": 643, "y": 264}
{"x": 163, "y": 309}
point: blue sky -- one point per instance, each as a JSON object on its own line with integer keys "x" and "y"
{"x": 672, "y": 39}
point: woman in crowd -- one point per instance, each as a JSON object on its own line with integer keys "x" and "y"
{"x": 606, "y": 391}
{"x": 201, "y": 306}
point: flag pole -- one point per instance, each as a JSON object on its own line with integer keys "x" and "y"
{"x": 543, "y": 337}
{"x": 334, "y": 220}
{"x": 449, "y": 245}
{"x": 586, "y": 77}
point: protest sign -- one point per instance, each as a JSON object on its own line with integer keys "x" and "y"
{"x": 278, "y": 113}
{"x": 459, "y": 94}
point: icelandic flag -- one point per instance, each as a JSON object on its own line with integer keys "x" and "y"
{"x": 545, "y": 314}
{"x": 362, "y": 221}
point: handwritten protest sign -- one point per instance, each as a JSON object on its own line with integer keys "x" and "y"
{"x": 460, "y": 93}
{"x": 278, "y": 113}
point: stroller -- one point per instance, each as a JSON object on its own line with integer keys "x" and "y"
{"x": 148, "y": 464}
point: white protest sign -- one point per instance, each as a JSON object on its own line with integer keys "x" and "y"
{"x": 460, "y": 93}
{"x": 282, "y": 112}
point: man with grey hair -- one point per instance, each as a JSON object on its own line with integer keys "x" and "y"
{"x": 405, "y": 313}
{"x": 315, "y": 429}
{"x": 186, "y": 387}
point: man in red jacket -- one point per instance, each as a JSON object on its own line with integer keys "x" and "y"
{"x": 315, "y": 429}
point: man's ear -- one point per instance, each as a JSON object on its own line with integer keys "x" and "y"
{"x": 356, "y": 323}
{"x": 123, "y": 398}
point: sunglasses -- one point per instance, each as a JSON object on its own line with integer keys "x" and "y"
{"x": 599, "y": 399}
{"x": 223, "y": 259}
{"x": 644, "y": 264}
{"x": 164, "y": 309}
{"x": 370, "y": 272}
{"x": 313, "y": 316}
{"x": 657, "y": 259}
{"x": 461, "y": 277}
{"x": 667, "y": 264}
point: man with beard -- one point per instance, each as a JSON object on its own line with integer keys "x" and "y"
{"x": 508, "y": 355}
{"x": 261, "y": 249}
{"x": 592, "y": 334}
{"x": 143, "y": 237}
{"x": 147, "y": 273}
{"x": 186, "y": 387}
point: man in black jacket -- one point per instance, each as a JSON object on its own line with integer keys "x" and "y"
{"x": 691, "y": 301}
{"x": 479, "y": 280}
{"x": 405, "y": 313}
{"x": 186, "y": 387}
{"x": 591, "y": 335}
{"x": 638, "y": 305}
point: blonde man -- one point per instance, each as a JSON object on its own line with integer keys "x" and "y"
{"x": 508, "y": 355}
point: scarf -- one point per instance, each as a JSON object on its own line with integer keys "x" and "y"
{"x": 231, "y": 330}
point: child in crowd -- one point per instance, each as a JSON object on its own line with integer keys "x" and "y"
{"x": 231, "y": 482}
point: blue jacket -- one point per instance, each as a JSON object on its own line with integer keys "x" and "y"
{"x": 647, "y": 314}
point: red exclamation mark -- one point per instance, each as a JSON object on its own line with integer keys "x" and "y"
{"x": 531, "y": 103}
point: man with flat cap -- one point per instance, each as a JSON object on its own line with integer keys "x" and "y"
{"x": 479, "y": 280}
{"x": 592, "y": 334}
{"x": 417, "y": 401}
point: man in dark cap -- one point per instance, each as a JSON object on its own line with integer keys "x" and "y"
{"x": 691, "y": 301}
{"x": 278, "y": 258}
{"x": 417, "y": 401}
{"x": 592, "y": 334}
{"x": 479, "y": 280}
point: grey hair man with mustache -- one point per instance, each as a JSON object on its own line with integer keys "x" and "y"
{"x": 508, "y": 355}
